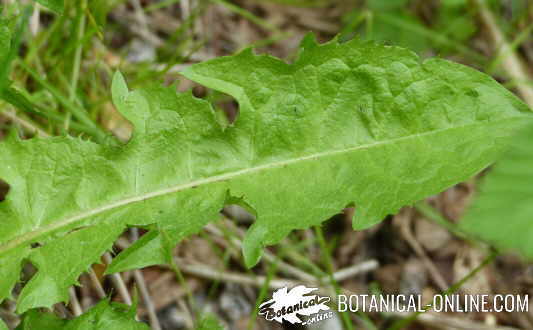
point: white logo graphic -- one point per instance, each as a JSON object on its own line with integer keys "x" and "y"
{"x": 286, "y": 304}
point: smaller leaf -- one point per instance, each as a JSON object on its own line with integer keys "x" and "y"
{"x": 103, "y": 316}
{"x": 11, "y": 32}
{"x": 5, "y": 41}
{"x": 119, "y": 90}
{"x": 56, "y": 5}
{"x": 36, "y": 320}
{"x": 503, "y": 209}
{"x": 10, "y": 40}
{"x": 209, "y": 322}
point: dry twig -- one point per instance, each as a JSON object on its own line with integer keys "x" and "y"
{"x": 511, "y": 62}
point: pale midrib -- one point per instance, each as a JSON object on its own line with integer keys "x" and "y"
{"x": 29, "y": 237}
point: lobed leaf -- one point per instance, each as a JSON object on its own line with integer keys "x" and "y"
{"x": 352, "y": 123}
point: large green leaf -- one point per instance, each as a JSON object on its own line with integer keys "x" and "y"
{"x": 503, "y": 210}
{"x": 103, "y": 316}
{"x": 353, "y": 123}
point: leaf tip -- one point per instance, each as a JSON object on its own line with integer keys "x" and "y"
{"x": 119, "y": 89}
{"x": 309, "y": 41}
{"x": 252, "y": 247}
